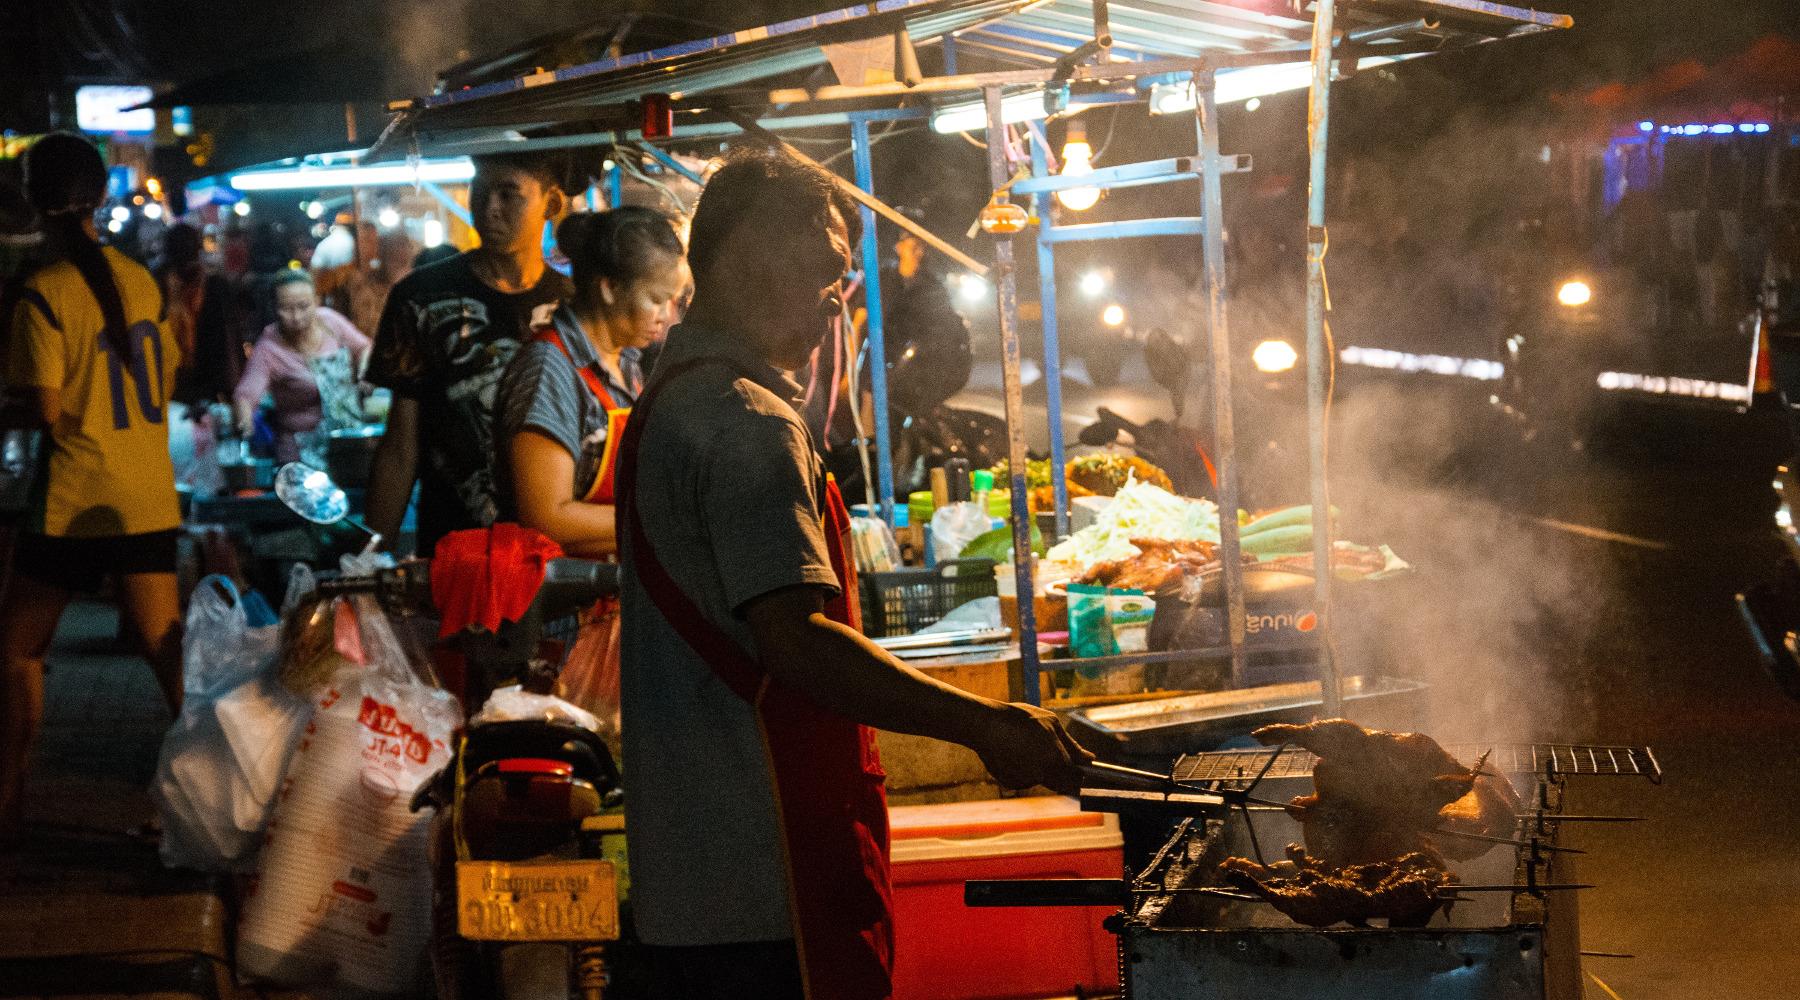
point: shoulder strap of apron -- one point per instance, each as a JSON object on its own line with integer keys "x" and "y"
{"x": 591, "y": 378}
{"x": 824, "y": 769}
{"x": 729, "y": 660}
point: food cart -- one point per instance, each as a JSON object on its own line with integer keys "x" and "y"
{"x": 1000, "y": 62}
{"x": 1040, "y": 59}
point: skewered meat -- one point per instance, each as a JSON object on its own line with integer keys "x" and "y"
{"x": 1379, "y": 795}
{"x": 1404, "y": 891}
{"x": 1490, "y": 809}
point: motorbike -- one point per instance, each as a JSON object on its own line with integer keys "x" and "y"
{"x": 528, "y": 839}
{"x": 1171, "y": 445}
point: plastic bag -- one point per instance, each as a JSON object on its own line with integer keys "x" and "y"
{"x": 343, "y": 896}
{"x": 590, "y": 673}
{"x": 515, "y": 704}
{"x": 219, "y": 765}
{"x": 954, "y": 526}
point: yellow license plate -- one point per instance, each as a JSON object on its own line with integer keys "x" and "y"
{"x": 537, "y": 901}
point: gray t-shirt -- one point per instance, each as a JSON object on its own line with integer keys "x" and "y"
{"x": 730, "y": 489}
{"x": 542, "y": 391}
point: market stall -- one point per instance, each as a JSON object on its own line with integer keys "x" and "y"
{"x": 1005, "y": 62}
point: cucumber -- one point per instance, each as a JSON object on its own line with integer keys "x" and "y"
{"x": 1286, "y": 517}
{"x": 1293, "y": 539}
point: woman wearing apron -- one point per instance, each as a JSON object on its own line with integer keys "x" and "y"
{"x": 567, "y": 393}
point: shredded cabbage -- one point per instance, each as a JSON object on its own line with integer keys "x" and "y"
{"x": 1140, "y": 510}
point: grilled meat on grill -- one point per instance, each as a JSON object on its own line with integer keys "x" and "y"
{"x": 1405, "y": 891}
{"x": 1379, "y": 795}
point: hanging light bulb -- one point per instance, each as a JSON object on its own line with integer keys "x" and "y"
{"x": 1078, "y": 160}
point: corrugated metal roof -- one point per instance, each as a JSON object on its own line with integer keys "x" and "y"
{"x": 1001, "y": 34}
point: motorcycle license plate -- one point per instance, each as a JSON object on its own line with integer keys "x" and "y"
{"x": 537, "y": 900}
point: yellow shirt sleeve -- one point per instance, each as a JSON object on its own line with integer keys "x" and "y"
{"x": 35, "y": 355}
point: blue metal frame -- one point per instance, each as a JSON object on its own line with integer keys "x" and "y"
{"x": 861, "y": 154}
{"x": 1006, "y": 291}
{"x": 1128, "y": 229}
{"x": 671, "y": 163}
{"x": 1053, "y": 406}
{"x": 449, "y": 203}
{"x": 615, "y": 187}
{"x": 1180, "y": 168}
{"x": 1318, "y": 357}
{"x": 1206, "y": 123}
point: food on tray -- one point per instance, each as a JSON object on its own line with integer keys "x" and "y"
{"x": 1160, "y": 565}
{"x": 1380, "y": 795}
{"x": 1404, "y": 891}
{"x": 1090, "y": 475}
{"x": 1140, "y": 510}
{"x": 1107, "y": 473}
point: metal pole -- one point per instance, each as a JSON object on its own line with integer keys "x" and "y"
{"x": 1318, "y": 359}
{"x": 1206, "y": 120}
{"x": 871, "y": 260}
{"x": 615, "y": 186}
{"x": 1006, "y": 281}
{"x": 1053, "y": 405}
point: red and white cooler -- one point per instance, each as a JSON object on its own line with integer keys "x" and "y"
{"x": 947, "y": 951}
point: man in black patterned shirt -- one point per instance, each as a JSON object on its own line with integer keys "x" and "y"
{"x": 445, "y": 339}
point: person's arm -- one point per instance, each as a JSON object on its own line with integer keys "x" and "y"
{"x": 394, "y": 470}
{"x": 760, "y": 503}
{"x": 251, "y": 388}
{"x": 543, "y": 475}
{"x": 34, "y": 364}
{"x": 846, "y": 673}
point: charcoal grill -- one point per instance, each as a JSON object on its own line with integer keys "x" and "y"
{"x": 1186, "y": 935}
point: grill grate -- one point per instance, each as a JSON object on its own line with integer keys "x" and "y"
{"x": 1242, "y": 766}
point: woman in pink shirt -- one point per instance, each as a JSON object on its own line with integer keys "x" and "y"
{"x": 308, "y": 359}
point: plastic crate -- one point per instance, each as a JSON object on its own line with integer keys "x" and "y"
{"x": 903, "y": 601}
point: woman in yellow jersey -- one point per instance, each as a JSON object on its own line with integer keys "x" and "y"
{"x": 92, "y": 356}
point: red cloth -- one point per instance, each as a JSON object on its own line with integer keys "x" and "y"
{"x": 830, "y": 792}
{"x": 484, "y": 576}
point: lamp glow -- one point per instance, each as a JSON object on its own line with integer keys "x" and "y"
{"x": 1274, "y": 356}
{"x": 971, "y": 288}
{"x": 388, "y": 218}
{"x": 434, "y": 233}
{"x": 971, "y": 116}
{"x": 120, "y": 213}
{"x": 1113, "y": 315}
{"x": 1093, "y": 284}
{"x": 1078, "y": 161}
{"x": 385, "y": 175}
{"x": 314, "y": 209}
{"x": 1245, "y": 84}
{"x": 241, "y": 209}
{"x": 1575, "y": 292}
{"x": 153, "y": 211}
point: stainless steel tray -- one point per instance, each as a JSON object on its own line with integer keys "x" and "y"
{"x": 1193, "y": 722}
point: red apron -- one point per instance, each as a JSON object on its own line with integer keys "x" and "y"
{"x": 830, "y": 792}
{"x": 602, "y": 491}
